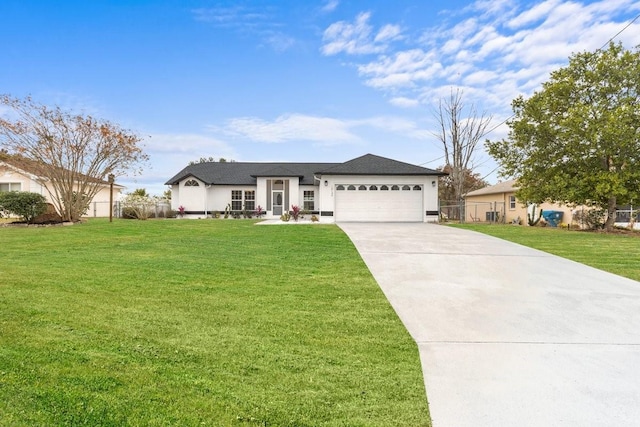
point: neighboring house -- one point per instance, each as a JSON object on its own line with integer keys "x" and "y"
{"x": 367, "y": 188}
{"x": 20, "y": 175}
{"x": 498, "y": 203}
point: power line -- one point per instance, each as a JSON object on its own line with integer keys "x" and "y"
{"x": 513, "y": 115}
{"x": 620, "y": 32}
{"x": 602, "y": 47}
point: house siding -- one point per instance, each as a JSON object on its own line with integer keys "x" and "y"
{"x": 98, "y": 207}
{"x": 477, "y": 207}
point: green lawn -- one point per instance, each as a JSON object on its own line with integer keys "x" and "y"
{"x": 199, "y": 322}
{"x": 614, "y": 252}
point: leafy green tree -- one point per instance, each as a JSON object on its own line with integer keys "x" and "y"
{"x": 142, "y": 192}
{"x": 577, "y": 140}
{"x": 23, "y": 203}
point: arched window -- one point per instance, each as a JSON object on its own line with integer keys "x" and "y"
{"x": 373, "y": 188}
{"x": 351, "y": 187}
{"x": 340, "y": 187}
{"x": 417, "y": 188}
{"x": 395, "y": 187}
{"x": 383, "y": 187}
{"x": 406, "y": 187}
{"x": 192, "y": 183}
{"x": 362, "y": 187}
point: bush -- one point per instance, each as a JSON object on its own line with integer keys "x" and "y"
{"x": 591, "y": 219}
{"x": 137, "y": 206}
{"x": 23, "y": 203}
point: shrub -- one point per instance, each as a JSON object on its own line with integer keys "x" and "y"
{"x": 591, "y": 219}
{"x": 295, "y": 212}
{"x": 137, "y": 206}
{"x": 24, "y": 204}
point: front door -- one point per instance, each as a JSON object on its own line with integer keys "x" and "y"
{"x": 277, "y": 199}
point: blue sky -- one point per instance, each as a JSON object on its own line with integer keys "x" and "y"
{"x": 303, "y": 81}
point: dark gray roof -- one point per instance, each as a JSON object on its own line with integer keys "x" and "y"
{"x": 370, "y": 164}
{"x": 245, "y": 173}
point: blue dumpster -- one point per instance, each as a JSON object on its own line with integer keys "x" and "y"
{"x": 553, "y": 218}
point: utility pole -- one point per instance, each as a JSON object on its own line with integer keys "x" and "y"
{"x": 111, "y": 179}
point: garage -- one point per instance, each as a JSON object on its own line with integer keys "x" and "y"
{"x": 379, "y": 202}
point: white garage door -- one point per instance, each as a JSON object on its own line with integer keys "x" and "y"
{"x": 383, "y": 203}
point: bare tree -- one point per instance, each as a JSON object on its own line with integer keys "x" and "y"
{"x": 73, "y": 154}
{"x": 460, "y": 132}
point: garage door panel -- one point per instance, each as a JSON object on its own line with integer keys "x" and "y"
{"x": 381, "y": 205}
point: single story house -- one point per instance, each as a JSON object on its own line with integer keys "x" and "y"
{"x": 18, "y": 174}
{"x": 367, "y": 188}
{"x": 498, "y": 203}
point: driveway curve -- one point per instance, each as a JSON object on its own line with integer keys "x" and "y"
{"x": 508, "y": 335}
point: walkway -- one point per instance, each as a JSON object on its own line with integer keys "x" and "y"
{"x": 509, "y": 336}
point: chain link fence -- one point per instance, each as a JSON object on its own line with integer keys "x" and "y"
{"x": 101, "y": 210}
{"x": 487, "y": 212}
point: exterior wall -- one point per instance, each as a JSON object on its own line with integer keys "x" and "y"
{"x": 203, "y": 200}
{"x": 98, "y": 207}
{"x": 192, "y": 198}
{"x": 9, "y": 175}
{"x": 477, "y": 207}
{"x": 329, "y": 182}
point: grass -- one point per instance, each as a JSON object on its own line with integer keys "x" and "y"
{"x": 617, "y": 253}
{"x": 210, "y": 322}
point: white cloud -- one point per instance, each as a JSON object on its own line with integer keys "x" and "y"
{"x": 536, "y": 13}
{"x": 357, "y": 38}
{"x": 388, "y": 32}
{"x": 292, "y": 127}
{"x": 395, "y": 125}
{"x": 260, "y": 22}
{"x": 188, "y": 143}
{"x": 496, "y": 49}
{"x": 403, "y": 69}
{"x": 280, "y": 42}
{"x": 404, "y": 102}
{"x": 330, "y": 6}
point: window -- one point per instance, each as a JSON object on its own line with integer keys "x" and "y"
{"x": 10, "y": 186}
{"x": 351, "y": 187}
{"x": 192, "y": 183}
{"x": 512, "y": 202}
{"x": 383, "y": 187}
{"x": 308, "y": 202}
{"x": 250, "y": 200}
{"x": 406, "y": 188}
{"x": 417, "y": 188}
{"x": 395, "y": 187}
{"x": 362, "y": 187}
{"x": 340, "y": 187}
{"x": 373, "y": 188}
{"x": 236, "y": 200}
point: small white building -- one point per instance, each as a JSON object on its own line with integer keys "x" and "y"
{"x": 21, "y": 175}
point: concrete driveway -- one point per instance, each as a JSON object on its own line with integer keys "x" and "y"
{"x": 509, "y": 336}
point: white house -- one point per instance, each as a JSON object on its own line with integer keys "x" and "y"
{"x": 367, "y": 188}
{"x": 17, "y": 174}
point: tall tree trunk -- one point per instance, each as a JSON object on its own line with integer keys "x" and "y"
{"x": 611, "y": 213}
